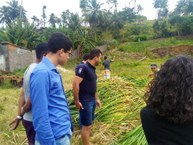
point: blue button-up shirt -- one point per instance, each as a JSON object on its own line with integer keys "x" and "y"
{"x": 50, "y": 111}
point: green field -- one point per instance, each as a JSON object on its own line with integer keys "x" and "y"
{"x": 121, "y": 97}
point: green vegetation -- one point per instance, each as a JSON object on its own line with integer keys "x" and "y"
{"x": 157, "y": 43}
{"x": 117, "y": 122}
{"x": 105, "y": 26}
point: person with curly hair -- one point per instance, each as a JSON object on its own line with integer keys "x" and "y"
{"x": 167, "y": 118}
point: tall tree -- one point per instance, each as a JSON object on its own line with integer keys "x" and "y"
{"x": 70, "y": 20}
{"x": 44, "y": 15}
{"x": 53, "y": 20}
{"x": 184, "y": 7}
{"x": 35, "y": 21}
{"x": 139, "y": 9}
{"x": 93, "y": 13}
{"x": 162, "y": 6}
{"x": 115, "y": 4}
{"x": 12, "y": 12}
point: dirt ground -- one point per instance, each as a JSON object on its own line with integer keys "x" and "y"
{"x": 174, "y": 50}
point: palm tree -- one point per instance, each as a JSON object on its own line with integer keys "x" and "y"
{"x": 71, "y": 20}
{"x": 113, "y": 2}
{"x": 184, "y": 7}
{"x": 4, "y": 15}
{"x": 93, "y": 13}
{"x": 52, "y": 20}
{"x": 12, "y": 12}
{"x": 65, "y": 18}
{"x": 74, "y": 21}
{"x": 139, "y": 8}
{"x": 58, "y": 21}
{"x": 44, "y": 15}
{"x": 35, "y": 21}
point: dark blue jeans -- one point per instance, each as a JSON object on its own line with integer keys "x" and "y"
{"x": 86, "y": 115}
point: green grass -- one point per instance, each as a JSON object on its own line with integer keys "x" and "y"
{"x": 132, "y": 69}
{"x": 146, "y": 45}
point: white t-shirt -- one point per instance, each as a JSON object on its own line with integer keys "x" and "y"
{"x": 28, "y": 115}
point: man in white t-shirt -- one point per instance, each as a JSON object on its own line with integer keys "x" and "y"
{"x": 24, "y": 107}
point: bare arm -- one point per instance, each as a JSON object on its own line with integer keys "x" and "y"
{"x": 13, "y": 125}
{"x": 98, "y": 102}
{"x": 21, "y": 102}
{"x": 75, "y": 85}
{"x": 27, "y": 106}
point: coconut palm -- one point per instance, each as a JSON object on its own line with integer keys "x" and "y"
{"x": 12, "y": 12}
{"x": 184, "y": 7}
{"x": 44, "y": 15}
{"x": 93, "y": 13}
{"x": 53, "y": 20}
{"x": 35, "y": 21}
{"x": 115, "y": 4}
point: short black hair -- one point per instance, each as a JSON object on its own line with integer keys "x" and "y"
{"x": 153, "y": 65}
{"x": 41, "y": 49}
{"x": 94, "y": 53}
{"x": 58, "y": 41}
{"x": 86, "y": 56}
{"x": 105, "y": 57}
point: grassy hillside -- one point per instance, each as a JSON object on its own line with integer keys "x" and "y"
{"x": 144, "y": 46}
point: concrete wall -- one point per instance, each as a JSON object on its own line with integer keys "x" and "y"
{"x": 4, "y": 64}
{"x": 13, "y": 57}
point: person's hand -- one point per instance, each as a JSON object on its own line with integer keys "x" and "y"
{"x": 78, "y": 105}
{"x": 13, "y": 125}
{"x": 98, "y": 103}
{"x": 150, "y": 75}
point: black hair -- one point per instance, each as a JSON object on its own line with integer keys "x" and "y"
{"x": 86, "y": 56}
{"x": 41, "y": 49}
{"x": 153, "y": 65}
{"x": 94, "y": 53}
{"x": 171, "y": 92}
{"x": 58, "y": 41}
{"x": 105, "y": 57}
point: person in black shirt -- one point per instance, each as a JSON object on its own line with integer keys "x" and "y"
{"x": 85, "y": 58}
{"x": 84, "y": 91}
{"x": 106, "y": 65}
{"x": 168, "y": 117}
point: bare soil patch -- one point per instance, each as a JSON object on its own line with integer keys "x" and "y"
{"x": 174, "y": 50}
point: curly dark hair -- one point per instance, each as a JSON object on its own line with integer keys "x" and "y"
{"x": 171, "y": 92}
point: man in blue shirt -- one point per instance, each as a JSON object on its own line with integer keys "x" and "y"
{"x": 84, "y": 91}
{"x": 50, "y": 111}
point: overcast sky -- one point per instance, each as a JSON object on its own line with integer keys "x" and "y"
{"x": 34, "y": 7}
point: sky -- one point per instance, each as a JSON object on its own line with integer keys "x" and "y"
{"x": 34, "y": 7}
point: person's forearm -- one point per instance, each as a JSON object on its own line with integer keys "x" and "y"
{"x": 21, "y": 102}
{"x": 76, "y": 92}
{"x": 96, "y": 97}
{"x": 27, "y": 106}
